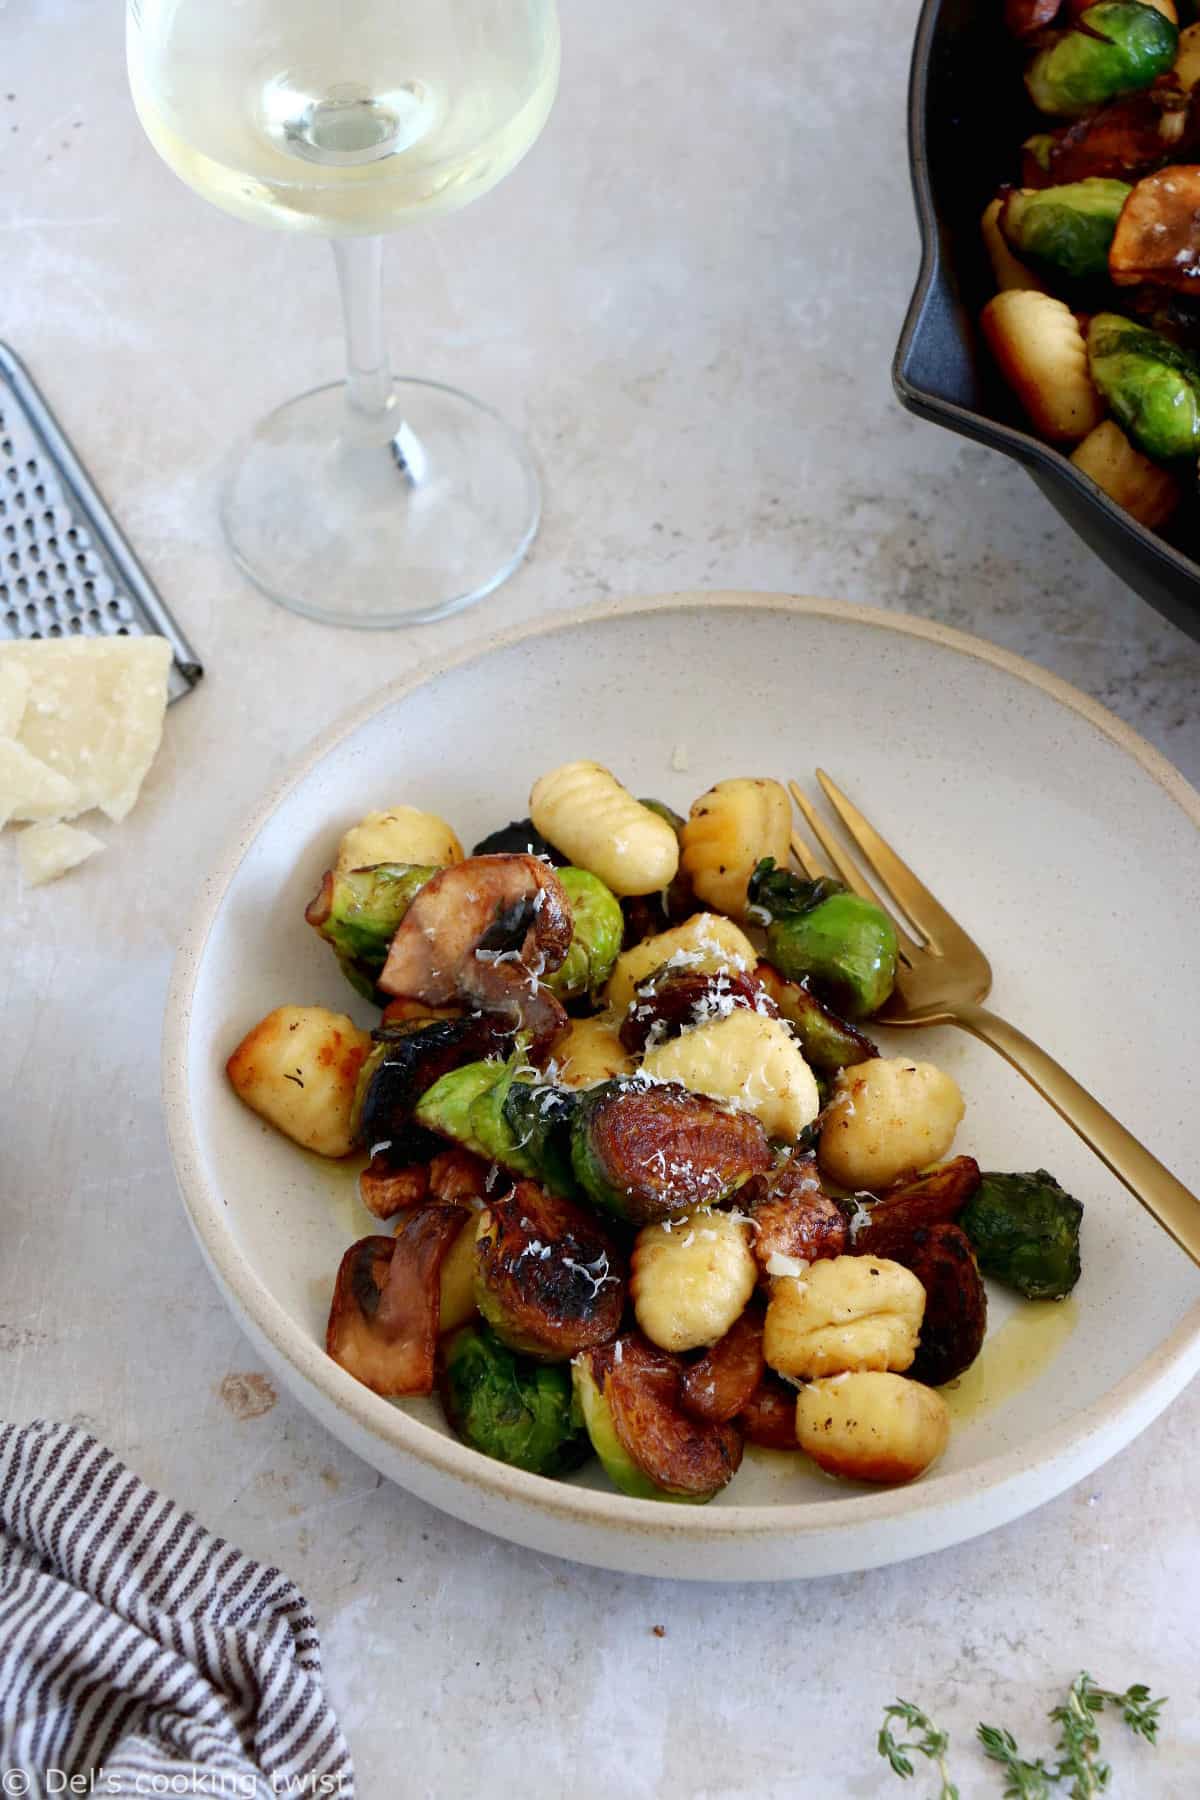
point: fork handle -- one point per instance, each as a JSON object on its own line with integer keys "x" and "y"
{"x": 1164, "y": 1197}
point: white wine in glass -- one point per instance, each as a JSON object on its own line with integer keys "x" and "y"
{"x": 376, "y": 501}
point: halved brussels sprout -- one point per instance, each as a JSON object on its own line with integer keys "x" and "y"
{"x": 539, "y": 1117}
{"x": 598, "y": 925}
{"x": 548, "y": 1278}
{"x": 671, "y": 1001}
{"x": 629, "y": 1394}
{"x": 768, "y": 1418}
{"x": 1116, "y": 47}
{"x": 445, "y": 1108}
{"x": 518, "y": 1412}
{"x": 644, "y": 1151}
{"x": 405, "y": 1062}
{"x": 720, "y": 1383}
{"x": 359, "y": 911}
{"x": 490, "y": 1128}
{"x": 1025, "y": 1231}
{"x": 1152, "y": 386}
{"x": 520, "y": 838}
{"x": 955, "y": 1319}
{"x": 383, "y": 1322}
{"x": 844, "y": 946}
{"x": 828, "y": 1042}
{"x": 1067, "y": 229}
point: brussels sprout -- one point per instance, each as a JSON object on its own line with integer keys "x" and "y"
{"x": 598, "y": 927}
{"x": 721, "y": 1382}
{"x": 539, "y": 1117}
{"x": 675, "y": 820}
{"x": 519, "y": 1412}
{"x": 955, "y": 1317}
{"x": 1067, "y": 229}
{"x": 844, "y": 946}
{"x": 644, "y": 1152}
{"x": 1152, "y": 386}
{"x": 405, "y": 1062}
{"x": 490, "y": 1128}
{"x": 1114, "y": 48}
{"x": 1035, "y": 153}
{"x": 358, "y": 911}
{"x": 629, "y": 1394}
{"x": 828, "y": 1043}
{"x": 446, "y": 1107}
{"x": 521, "y": 838}
{"x": 1025, "y": 1232}
{"x": 671, "y": 1001}
{"x": 548, "y": 1278}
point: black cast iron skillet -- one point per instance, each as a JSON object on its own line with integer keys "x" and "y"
{"x": 967, "y": 115}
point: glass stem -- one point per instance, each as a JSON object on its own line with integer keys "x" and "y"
{"x": 368, "y": 373}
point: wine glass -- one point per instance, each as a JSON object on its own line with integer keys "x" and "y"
{"x": 377, "y": 501}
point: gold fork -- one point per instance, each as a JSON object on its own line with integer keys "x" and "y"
{"x": 941, "y": 980}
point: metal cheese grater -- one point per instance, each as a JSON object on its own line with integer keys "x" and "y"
{"x": 65, "y": 567}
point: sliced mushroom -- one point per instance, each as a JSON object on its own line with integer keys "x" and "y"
{"x": 794, "y": 1220}
{"x": 458, "y": 1178}
{"x": 1158, "y": 233}
{"x": 1026, "y": 18}
{"x": 383, "y": 1323}
{"x": 485, "y": 931}
{"x": 768, "y": 1418}
{"x": 719, "y": 1384}
{"x": 386, "y": 1190}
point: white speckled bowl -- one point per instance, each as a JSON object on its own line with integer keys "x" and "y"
{"x": 1066, "y": 845}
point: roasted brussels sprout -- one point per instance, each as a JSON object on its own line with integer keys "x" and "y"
{"x": 955, "y": 1317}
{"x": 548, "y": 1278}
{"x": 844, "y": 946}
{"x": 598, "y": 926}
{"x": 404, "y": 1063}
{"x": 1116, "y": 47}
{"x": 644, "y": 1152}
{"x": 1152, "y": 385}
{"x": 539, "y": 1117}
{"x": 629, "y": 1394}
{"x": 1025, "y": 1231}
{"x": 519, "y": 1412}
{"x": 768, "y": 1418}
{"x": 486, "y": 932}
{"x": 1065, "y": 229}
{"x": 445, "y": 1108}
{"x": 490, "y": 1128}
{"x": 383, "y": 1323}
{"x": 359, "y": 911}
{"x": 520, "y": 838}
{"x": 828, "y": 1043}
{"x": 720, "y": 1383}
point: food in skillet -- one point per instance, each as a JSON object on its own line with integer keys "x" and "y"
{"x": 1095, "y": 248}
{"x": 652, "y": 1191}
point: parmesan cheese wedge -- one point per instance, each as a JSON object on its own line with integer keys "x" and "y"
{"x": 30, "y": 788}
{"x": 93, "y": 715}
{"x": 47, "y": 851}
{"x": 14, "y": 691}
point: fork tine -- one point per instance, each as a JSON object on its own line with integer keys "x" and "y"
{"x": 942, "y": 932}
{"x": 846, "y": 866}
{"x": 810, "y": 866}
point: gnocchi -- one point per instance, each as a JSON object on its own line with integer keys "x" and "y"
{"x": 705, "y": 942}
{"x": 403, "y": 834}
{"x": 844, "y": 1312}
{"x": 751, "y": 1061}
{"x": 691, "y": 1278}
{"x": 1008, "y": 269}
{"x": 582, "y": 809}
{"x": 456, "y": 1301}
{"x": 888, "y": 1117}
{"x": 591, "y": 1051}
{"x": 1042, "y": 355}
{"x": 1148, "y": 493}
{"x": 731, "y": 828}
{"x": 297, "y": 1069}
{"x": 872, "y": 1426}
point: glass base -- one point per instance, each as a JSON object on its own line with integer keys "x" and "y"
{"x": 383, "y": 519}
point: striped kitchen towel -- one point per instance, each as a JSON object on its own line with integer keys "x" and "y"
{"x": 141, "y": 1654}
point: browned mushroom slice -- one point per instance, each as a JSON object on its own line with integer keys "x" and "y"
{"x": 1126, "y": 140}
{"x": 650, "y": 1447}
{"x": 719, "y": 1384}
{"x": 485, "y": 931}
{"x": 769, "y": 1416}
{"x": 933, "y": 1199}
{"x": 386, "y": 1190}
{"x": 550, "y": 1280}
{"x": 458, "y": 1178}
{"x": 667, "y": 1003}
{"x": 416, "y": 1012}
{"x": 793, "y": 1217}
{"x": 955, "y": 1317}
{"x": 1158, "y": 233}
{"x": 1025, "y": 18}
{"x": 383, "y": 1323}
